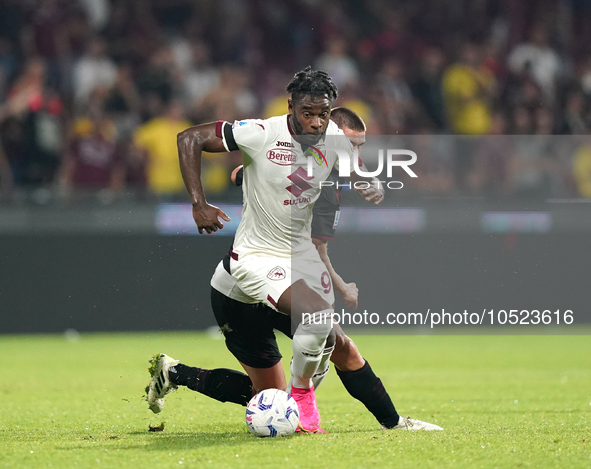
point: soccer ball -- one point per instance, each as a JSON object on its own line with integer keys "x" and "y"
{"x": 272, "y": 412}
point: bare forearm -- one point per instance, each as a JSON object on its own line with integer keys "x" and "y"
{"x": 337, "y": 280}
{"x": 191, "y": 143}
{"x": 190, "y": 147}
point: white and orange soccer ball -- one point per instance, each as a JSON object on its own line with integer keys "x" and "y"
{"x": 271, "y": 413}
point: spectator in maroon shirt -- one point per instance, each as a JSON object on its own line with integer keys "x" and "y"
{"x": 93, "y": 159}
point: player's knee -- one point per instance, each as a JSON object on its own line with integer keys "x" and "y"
{"x": 311, "y": 343}
{"x": 320, "y": 330}
{"x": 318, "y": 322}
{"x": 312, "y": 333}
{"x": 344, "y": 346}
{"x": 345, "y": 354}
{"x": 308, "y": 303}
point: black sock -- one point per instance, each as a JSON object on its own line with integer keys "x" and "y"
{"x": 365, "y": 386}
{"x": 220, "y": 384}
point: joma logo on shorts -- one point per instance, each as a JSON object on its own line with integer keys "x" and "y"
{"x": 276, "y": 273}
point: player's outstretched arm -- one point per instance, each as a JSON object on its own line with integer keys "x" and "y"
{"x": 191, "y": 143}
{"x": 348, "y": 291}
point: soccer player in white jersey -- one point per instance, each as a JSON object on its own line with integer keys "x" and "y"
{"x": 249, "y": 328}
{"x": 273, "y": 259}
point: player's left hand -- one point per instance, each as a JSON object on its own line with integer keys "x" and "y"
{"x": 372, "y": 194}
{"x": 350, "y": 295}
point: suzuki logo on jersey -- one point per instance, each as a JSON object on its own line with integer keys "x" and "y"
{"x": 281, "y": 157}
{"x": 299, "y": 178}
{"x": 299, "y": 200}
{"x": 276, "y": 273}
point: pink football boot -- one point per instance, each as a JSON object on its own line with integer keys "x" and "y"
{"x": 309, "y": 415}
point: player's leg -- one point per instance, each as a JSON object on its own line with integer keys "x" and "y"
{"x": 361, "y": 382}
{"x": 227, "y": 385}
{"x": 221, "y": 384}
{"x": 354, "y": 372}
{"x": 282, "y": 323}
{"x": 324, "y": 365}
{"x": 294, "y": 289}
{"x": 249, "y": 337}
{"x": 312, "y": 314}
{"x": 266, "y": 378}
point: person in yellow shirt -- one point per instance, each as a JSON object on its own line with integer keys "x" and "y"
{"x": 467, "y": 90}
{"x": 157, "y": 140}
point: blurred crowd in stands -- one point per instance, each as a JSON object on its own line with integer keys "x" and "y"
{"x": 94, "y": 92}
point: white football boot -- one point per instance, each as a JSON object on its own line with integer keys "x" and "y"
{"x": 406, "y": 423}
{"x": 160, "y": 384}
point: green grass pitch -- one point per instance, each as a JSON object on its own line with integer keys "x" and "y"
{"x": 504, "y": 401}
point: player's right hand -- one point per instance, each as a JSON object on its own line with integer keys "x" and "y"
{"x": 350, "y": 295}
{"x": 207, "y": 218}
{"x": 372, "y": 194}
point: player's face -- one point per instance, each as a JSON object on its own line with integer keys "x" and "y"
{"x": 309, "y": 117}
{"x": 356, "y": 138}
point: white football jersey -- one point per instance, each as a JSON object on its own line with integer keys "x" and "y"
{"x": 278, "y": 193}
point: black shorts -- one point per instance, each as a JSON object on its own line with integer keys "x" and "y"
{"x": 249, "y": 330}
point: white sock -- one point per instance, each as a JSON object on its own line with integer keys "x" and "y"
{"x": 308, "y": 344}
{"x": 321, "y": 372}
{"x": 323, "y": 367}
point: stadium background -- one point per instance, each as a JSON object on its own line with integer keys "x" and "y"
{"x": 93, "y": 93}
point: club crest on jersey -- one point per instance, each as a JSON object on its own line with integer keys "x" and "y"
{"x": 276, "y": 273}
{"x": 317, "y": 154}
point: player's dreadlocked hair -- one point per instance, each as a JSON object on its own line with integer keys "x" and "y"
{"x": 345, "y": 117}
{"x": 312, "y": 83}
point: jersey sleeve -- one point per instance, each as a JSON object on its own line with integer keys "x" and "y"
{"x": 326, "y": 210}
{"x": 248, "y": 135}
{"x": 325, "y": 216}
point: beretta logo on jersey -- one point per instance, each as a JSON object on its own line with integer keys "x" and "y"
{"x": 281, "y": 156}
{"x": 276, "y": 273}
